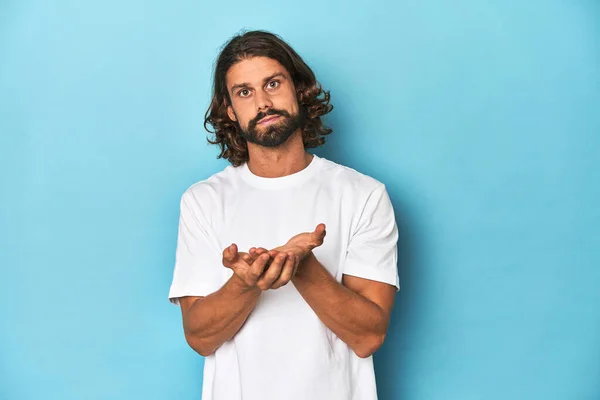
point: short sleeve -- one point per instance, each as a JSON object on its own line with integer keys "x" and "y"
{"x": 198, "y": 260}
{"x": 373, "y": 247}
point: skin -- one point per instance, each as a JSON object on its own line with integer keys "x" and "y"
{"x": 357, "y": 310}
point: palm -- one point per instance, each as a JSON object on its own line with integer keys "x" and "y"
{"x": 305, "y": 242}
{"x": 242, "y": 264}
{"x": 299, "y": 245}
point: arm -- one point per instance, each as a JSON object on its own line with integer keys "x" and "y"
{"x": 357, "y": 311}
{"x": 212, "y": 320}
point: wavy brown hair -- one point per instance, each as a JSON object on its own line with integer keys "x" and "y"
{"x": 312, "y": 99}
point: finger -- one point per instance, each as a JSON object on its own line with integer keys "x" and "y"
{"x": 252, "y": 255}
{"x": 252, "y": 252}
{"x": 287, "y": 272}
{"x": 273, "y": 253}
{"x": 258, "y": 266}
{"x": 257, "y": 251}
{"x": 230, "y": 253}
{"x": 272, "y": 273}
{"x": 256, "y": 255}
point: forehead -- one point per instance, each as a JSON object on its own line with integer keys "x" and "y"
{"x": 253, "y": 71}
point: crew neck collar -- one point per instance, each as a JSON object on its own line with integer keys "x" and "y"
{"x": 280, "y": 182}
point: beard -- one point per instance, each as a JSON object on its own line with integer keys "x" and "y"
{"x": 276, "y": 134}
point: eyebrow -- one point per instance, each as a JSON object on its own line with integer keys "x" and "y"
{"x": 267, "y": 79}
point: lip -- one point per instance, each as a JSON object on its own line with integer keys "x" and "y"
{"x": 268, "y": 119}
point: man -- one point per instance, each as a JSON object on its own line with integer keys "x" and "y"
{"x": 298, "y": 314}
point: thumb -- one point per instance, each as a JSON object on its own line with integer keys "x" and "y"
{"x": 319, "y": 234}
{"x": 230, "y": 252}
{"x": 320, "y": 230}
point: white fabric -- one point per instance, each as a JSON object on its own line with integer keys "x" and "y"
{"x": 283, "y": 351}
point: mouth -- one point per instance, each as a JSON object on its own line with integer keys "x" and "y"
{"x": 268, "y": 120}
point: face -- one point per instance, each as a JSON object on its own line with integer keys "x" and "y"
{"x": 263, "y": 101}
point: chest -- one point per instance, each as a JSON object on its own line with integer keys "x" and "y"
{"x": 270, "y": 219}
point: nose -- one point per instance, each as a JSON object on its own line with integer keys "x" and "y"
{"x": 263, "y": 101}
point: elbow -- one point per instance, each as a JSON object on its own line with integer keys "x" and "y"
{"x": 199, "y": 346}
{"x": 369, "y": 346}
{"x": 204, "y": 351}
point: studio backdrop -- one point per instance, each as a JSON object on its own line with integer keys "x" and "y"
{"x": 481, "y": 117}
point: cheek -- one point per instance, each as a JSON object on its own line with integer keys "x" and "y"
{"x": 290, "y": 103}
{"x": 243, "y": 115}
{"x": 244, "y": 122}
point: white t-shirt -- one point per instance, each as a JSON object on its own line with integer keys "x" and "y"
{"x": 283, "y": 350}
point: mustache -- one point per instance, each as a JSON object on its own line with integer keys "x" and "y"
{"x": 272, "y": 111}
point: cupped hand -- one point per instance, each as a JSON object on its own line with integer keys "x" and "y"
{"x": 300, "y": 245}
{"x": 303, "y": 243}
{"x": 260, "y": 270}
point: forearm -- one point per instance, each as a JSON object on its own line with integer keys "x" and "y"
{"x": 357, "y": 321}
{"x": 216, "y": 318}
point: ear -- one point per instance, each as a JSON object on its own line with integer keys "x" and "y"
{"x": 230, "y": 113}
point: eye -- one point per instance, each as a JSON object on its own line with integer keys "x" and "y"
{"x": 273, "y": 84}
{"x": 244, "y": 93}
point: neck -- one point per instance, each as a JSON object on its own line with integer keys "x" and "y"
{"x": 283, "y": 160}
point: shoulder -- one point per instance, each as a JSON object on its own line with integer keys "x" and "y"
{"x": 349, "y": 179}
{"x": 204, "y": 199}
{"x": 212, "y": 188}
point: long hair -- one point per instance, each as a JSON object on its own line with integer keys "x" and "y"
{"x": 312, "y": 99}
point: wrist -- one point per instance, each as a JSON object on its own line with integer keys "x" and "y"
{"x": 311, "y": 272}
{"x": 304, "y": 265}
{"x": 240, "y": 286}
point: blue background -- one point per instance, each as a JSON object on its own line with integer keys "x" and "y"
{"x": 481, "y": 117}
